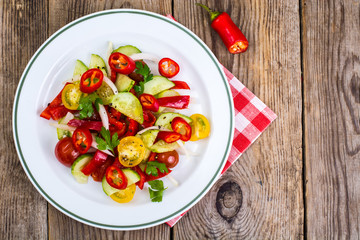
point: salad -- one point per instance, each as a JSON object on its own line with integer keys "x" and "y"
{"x": 122, "y": 125}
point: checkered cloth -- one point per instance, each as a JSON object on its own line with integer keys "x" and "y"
{"x": 252, "y": 117}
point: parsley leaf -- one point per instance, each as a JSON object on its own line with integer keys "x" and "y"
{"x": 156, "y": 190}
{"x": 107, "y": 142}
{"x": 144, "y": 70}
{"x": 153, "y": 166}
{"x": 86, "y": 105}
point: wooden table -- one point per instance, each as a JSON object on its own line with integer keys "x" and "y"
{"x": 300, "y": 179}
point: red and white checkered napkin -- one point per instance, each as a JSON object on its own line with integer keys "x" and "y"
{"x": 252, "y": 117}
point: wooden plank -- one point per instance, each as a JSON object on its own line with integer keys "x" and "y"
{"x": 331, "y": 53}
{"x": 261, "y": 196}
{"x": 61, "y": 226}
{"x": 22, "y": 209}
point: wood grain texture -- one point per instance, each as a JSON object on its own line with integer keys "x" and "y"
{"x": 269, "y": 174}
{"x": 61, "y": 226}
{"x": 331, "y": 50}
{"x": 22, "y": 209}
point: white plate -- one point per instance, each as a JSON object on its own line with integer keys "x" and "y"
{"x": 54, "y": 62}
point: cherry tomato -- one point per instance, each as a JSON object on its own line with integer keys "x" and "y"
{"x": 99, "y": 173}
{"x": 82, "y": 139}
{"x": 91, "y": 80}
{"x": 168, "y": 67}
{"x": 200, "y": 127}
{"x": 131, "y": 151}
{"x": 66, "y": 152}
{"x": 149, "y": 102}
{"x": 121, "y": 63}
{"x": 170, "y": 159}
{"x": 116, "y": 178}
{"x": 124, "y": 196}
{"x": 70, "y": 96}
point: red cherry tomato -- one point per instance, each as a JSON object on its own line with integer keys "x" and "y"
{"x": 149, "y": 102}
{"x": 91, "y": 80}
{"x": 170, "y": 159}
{"x": 66, "y": 152}
{"x": 82, "y": 139}
{"x": 168, "y": 67}
{"x": 121, "y": 63}
{"x": 116, "y": 177}
{"x": 99, "y": 173}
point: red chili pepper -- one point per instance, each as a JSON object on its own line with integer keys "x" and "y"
{"x": 116, "y": 177}
{"x": 91, "y": 125}
{"x": 82, "y": 139}
{"x": 149, "y": 119}
{"x": 168, "y": 67}
{"x": 99, "y": 173}
{"x": 178, "y": 102}
{"x": 231, "y": 35}
{"x": 121, "y": 63}
{"x": 149, "y": 102}
{"x": 142, "y": 175}
{"x": 169, "y": 137}
{"x": 91, "y": 80}
{"x": 132, "y": 128}
{"x": 180, "y": 126}
{"x": 98, "y": 160}
{"x": 180, "y": 85}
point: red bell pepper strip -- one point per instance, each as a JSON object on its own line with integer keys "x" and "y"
{"x": 142, "y": 175}
{"x": 180, "y": 126}
{"x": 117, "y": 126}
{"x": 47, "y": 114}
{"x": 231, "y": 35}
{"x": 132, "y": 128}
{"x": 180, "y": 85}
{"x": 169, "y": 137}
{"x": 117, "y": 163}
{"x": 98, "y": 160}
{"x": 92, "y": 125}
{"x": 113, "y": 76}
{"x": 99, "y": 173}
{"x": 178, "y": 102}
{"x": 58, "y": 112}
{"x": 149, "y": 119}
{"x": 149, "y": 102}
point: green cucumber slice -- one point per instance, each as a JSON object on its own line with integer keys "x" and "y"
{"x": 161, "y": 146}
{"x": 105, "y": 93}
{"x": 80, "y": 68}
{"x": 108, "y": 190}
{"x": 164, "y": 120}
{"x": 127, "y": 50}
{"x": 131, "y": 175}
{"x": 61, "y": 133}
{"x": 79, "y": 164}
{"x": 149, "y": 137}
{"x": 97, "y": 62}
{"x": 123, "y": 83}
{"x": 129, "y": 105}
{"x": 157, "y": 85}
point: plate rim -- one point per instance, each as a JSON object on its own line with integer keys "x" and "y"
{"x": 22, "y": 158}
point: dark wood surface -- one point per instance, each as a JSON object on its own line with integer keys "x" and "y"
{"x": 299, "y": 179}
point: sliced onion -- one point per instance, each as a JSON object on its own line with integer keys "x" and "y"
{"x": 108, "y": 53}
{"x": 104, "y": 117}
{"x": 62, "y": 126}
{"x": 187, "y": 152}
{"x": 153, "y": 128}
{"x": 69, "y": 116}
{"x": 111, "y": 84}
{"x": 94, "y": 145}
{"x": 145, "y": 56}
{"x": 173, "y": 180}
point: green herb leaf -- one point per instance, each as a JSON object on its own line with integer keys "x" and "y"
{"x": 86, "y": 105}
{"x": 107, "y": 142}
{"x": 153, "y": 166}
{"x": 156, "y": 190}
{"x": 144, "y": 70}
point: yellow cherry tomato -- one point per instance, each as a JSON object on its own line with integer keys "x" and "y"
{"x": 200, "y": 127}
{"x": 124, "y": 196}
{"x": 131, "y": 151}
{"x": 70, "y": 96}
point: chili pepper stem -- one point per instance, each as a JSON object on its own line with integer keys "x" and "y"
{"x": 213, "y": 14}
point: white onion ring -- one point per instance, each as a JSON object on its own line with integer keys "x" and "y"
{"x": 62, "y": 126}
{"x": 104, "y": 117}
{"x": 153, "y": 128}
{"x": 145, "y": 56}
{"x": 111, "y": 84}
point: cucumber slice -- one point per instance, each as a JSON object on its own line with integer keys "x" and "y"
{"x": 127, "y": 50}
{"x": 105, "y": 93}
{"x": 123, "y": 83}
{"x": 80, "y": 68}
{"x": 129, "y": 105}
{"x": 131, "y": 175}
{"x": 157, "y": 85}
{"x": 164, "y": 120}
{"x": 79, "y": 164}
{"x": 61, "y": 133}
{"x": 149, "y": 137}
{"x": 97, "y": 62}
{"x": 161, "y": 146}
{"x": 167, "y": 93}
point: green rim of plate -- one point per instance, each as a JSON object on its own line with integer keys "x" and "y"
{"x": 18, "y": 147}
